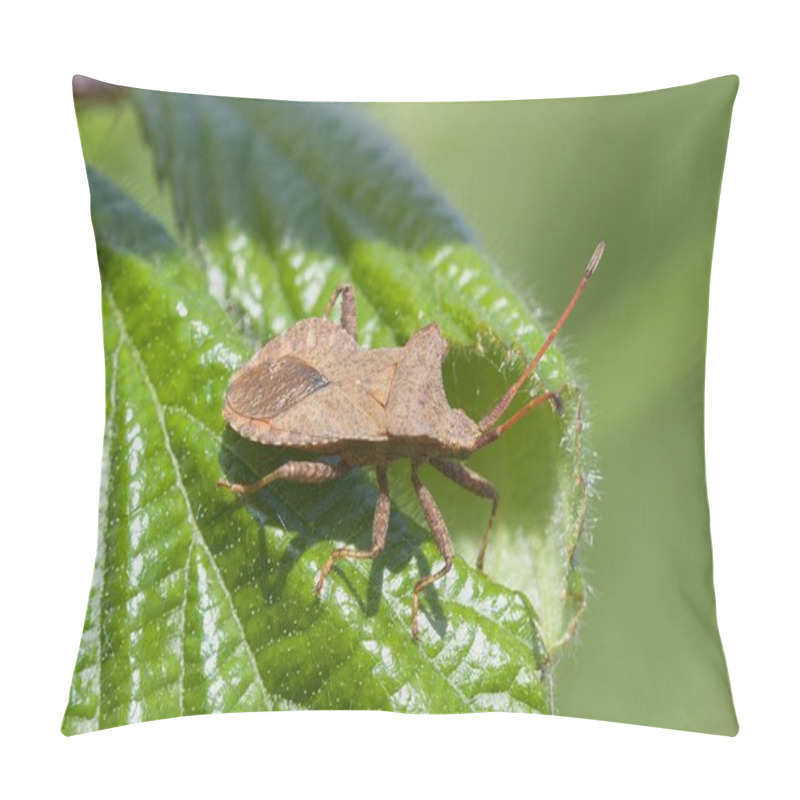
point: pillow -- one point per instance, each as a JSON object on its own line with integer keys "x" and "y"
{"x": 221, "y": 224}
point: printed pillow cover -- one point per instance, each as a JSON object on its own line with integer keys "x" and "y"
{"x": 221, "y": 224}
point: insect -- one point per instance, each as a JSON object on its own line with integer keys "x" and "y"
{"x": 314, "y": 389}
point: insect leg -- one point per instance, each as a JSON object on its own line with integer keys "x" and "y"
{"x": 439, "y": 530}
{"x": 476, "y": 484}
{"x": 298, "y": 471}
{"x": 348, "y": 293}
{"x": 380, "y": 526}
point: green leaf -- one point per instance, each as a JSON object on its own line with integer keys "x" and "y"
{"x": 202, "y": 602}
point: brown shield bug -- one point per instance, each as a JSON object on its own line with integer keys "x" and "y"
{"x": 314, "y": 389}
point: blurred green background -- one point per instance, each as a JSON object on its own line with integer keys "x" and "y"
{"x": 541, "y": 182}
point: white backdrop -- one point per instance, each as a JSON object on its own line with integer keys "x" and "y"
{"x": 53, "y": 391}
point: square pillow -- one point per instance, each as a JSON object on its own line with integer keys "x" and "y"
{"x": 463, "y": 230}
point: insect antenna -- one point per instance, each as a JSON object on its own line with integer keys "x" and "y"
{"x": 486, "y": 424}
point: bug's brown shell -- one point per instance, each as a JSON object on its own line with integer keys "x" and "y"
{"x": 314, "y": 388}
